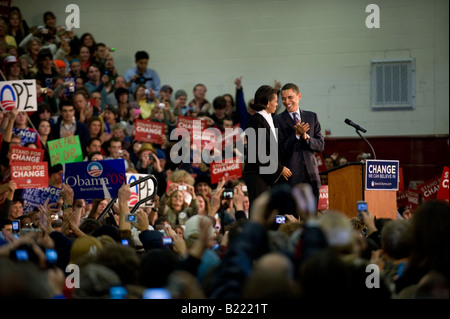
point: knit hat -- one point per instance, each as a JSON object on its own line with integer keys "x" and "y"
{"x": 152, "y": 239}
{"x": 60, "y": 64}
{"x": 160, "y": 154}
{"x": 83, "y": 246}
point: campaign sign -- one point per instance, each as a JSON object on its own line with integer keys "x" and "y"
{"x": 402, "y": 199}
{"x": 401, "y": 181}
{"x": 95, "y": 179}
{"x": 27, "y": 135}
{"x": 65, "y": 150}
{"x": 29, "y": 175}
{"x": 443, "y": 188}
{"x": 231, "y": 136}
{"x": 150, "y": 132}
{"x": 33, "y": 197}
{"x": 382, "y": 175}
{"x": 229, "y": 170}
{"x": 25, "y": 154}
{"x": 413, "y": 198}
{"x": 323, "y": 198}
{"x": 189, "y": 123}
{"x": 21, "y": 94}
{"x": 320, "y": 162}
{"x": 430, "y": 188}
{"x": 68, "y": 91}
{"x": 208, "y": 138}
{"x": 141, "y": 190}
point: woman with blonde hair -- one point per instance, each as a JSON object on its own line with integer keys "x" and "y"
{"x": 174, "y": 207}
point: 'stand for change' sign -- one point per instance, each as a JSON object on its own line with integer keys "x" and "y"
{"x": 382, "y": 175}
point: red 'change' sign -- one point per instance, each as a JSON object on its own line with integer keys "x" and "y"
{"x": 147, "y": 131}
{"x": 228, "y": 170}
{"x": 430, "y": 188}
{"x": 443, "y": 188}
{"x": 25, "y": 154}
{"x": 29, "y": 175}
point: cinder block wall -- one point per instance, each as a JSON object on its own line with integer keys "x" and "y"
{"x": 324, "y": 46}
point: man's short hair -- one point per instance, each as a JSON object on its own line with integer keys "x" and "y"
{"x": 66, "y": 103}
{"x": 219, "y": 103}
{"x": 141, "y": 55}
{"x": 114, "y": 139}
{"x": 290, "y": 86}
{"x": 91, "y": 155}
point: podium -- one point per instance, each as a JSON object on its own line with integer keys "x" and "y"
{"x": 346, "y": 186}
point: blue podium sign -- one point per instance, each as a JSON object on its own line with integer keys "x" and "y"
{"x": 382, "y": 175}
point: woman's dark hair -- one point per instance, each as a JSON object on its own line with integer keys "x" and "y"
{"x": 262, "y": 97}
{"x": 47, "y": 15}
{"x": 43, "y": 107}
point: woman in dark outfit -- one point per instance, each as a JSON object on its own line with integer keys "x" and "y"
{"x": 262, "y": 166}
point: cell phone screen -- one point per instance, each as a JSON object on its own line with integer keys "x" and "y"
{"x": 117, "y": 292}
{"x": 280, "y": 219}
{"x": 362, "y": 207}
{"x": 156, "y": 293}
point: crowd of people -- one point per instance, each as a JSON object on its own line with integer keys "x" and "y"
{"x": 192, "y": 242}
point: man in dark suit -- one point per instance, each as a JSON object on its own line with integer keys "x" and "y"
{"x": 68, "y": 125}
{"x": 299, "y": 137}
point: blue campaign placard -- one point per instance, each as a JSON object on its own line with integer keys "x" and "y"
{"x": 95, "y": 179}
{"x": 382, "y": 175}
{"x": 33, "y": 197}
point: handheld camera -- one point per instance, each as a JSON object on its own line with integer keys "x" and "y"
{"x": 361, "y": 207}
{"x": 227, "y": 194}
{"x": 131, "y": 218}
{"x": 280, "y": 219}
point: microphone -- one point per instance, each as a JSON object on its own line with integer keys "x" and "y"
{"x": 356, "y": 126}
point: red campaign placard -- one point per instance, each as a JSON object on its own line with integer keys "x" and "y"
{"x": 323, "y": 198}
{"x": 29, "y": 175}
{"x": 443, "y": 188}
{"x": 25, "y": 154}
{"x": 190, "y": 123}
{"x": 413, "y": 198}
{"x": 146, "y": 131}
{"x": 320, "y": 162}
{"x": 231, "y": 169}
{"x": 402, "y": 199}
{"x": 430, "y": 188}
{"x": 401, "y": 183}
{"x": 209, "y": 138}
{"x": 231, "y": 136}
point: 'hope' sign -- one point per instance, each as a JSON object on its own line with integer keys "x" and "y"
{"x": 21, "y": 94}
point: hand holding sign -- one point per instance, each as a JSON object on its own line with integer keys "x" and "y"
{"x": 67, "y": 194}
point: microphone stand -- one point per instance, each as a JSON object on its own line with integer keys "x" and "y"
{"x": 374, "y": 155}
